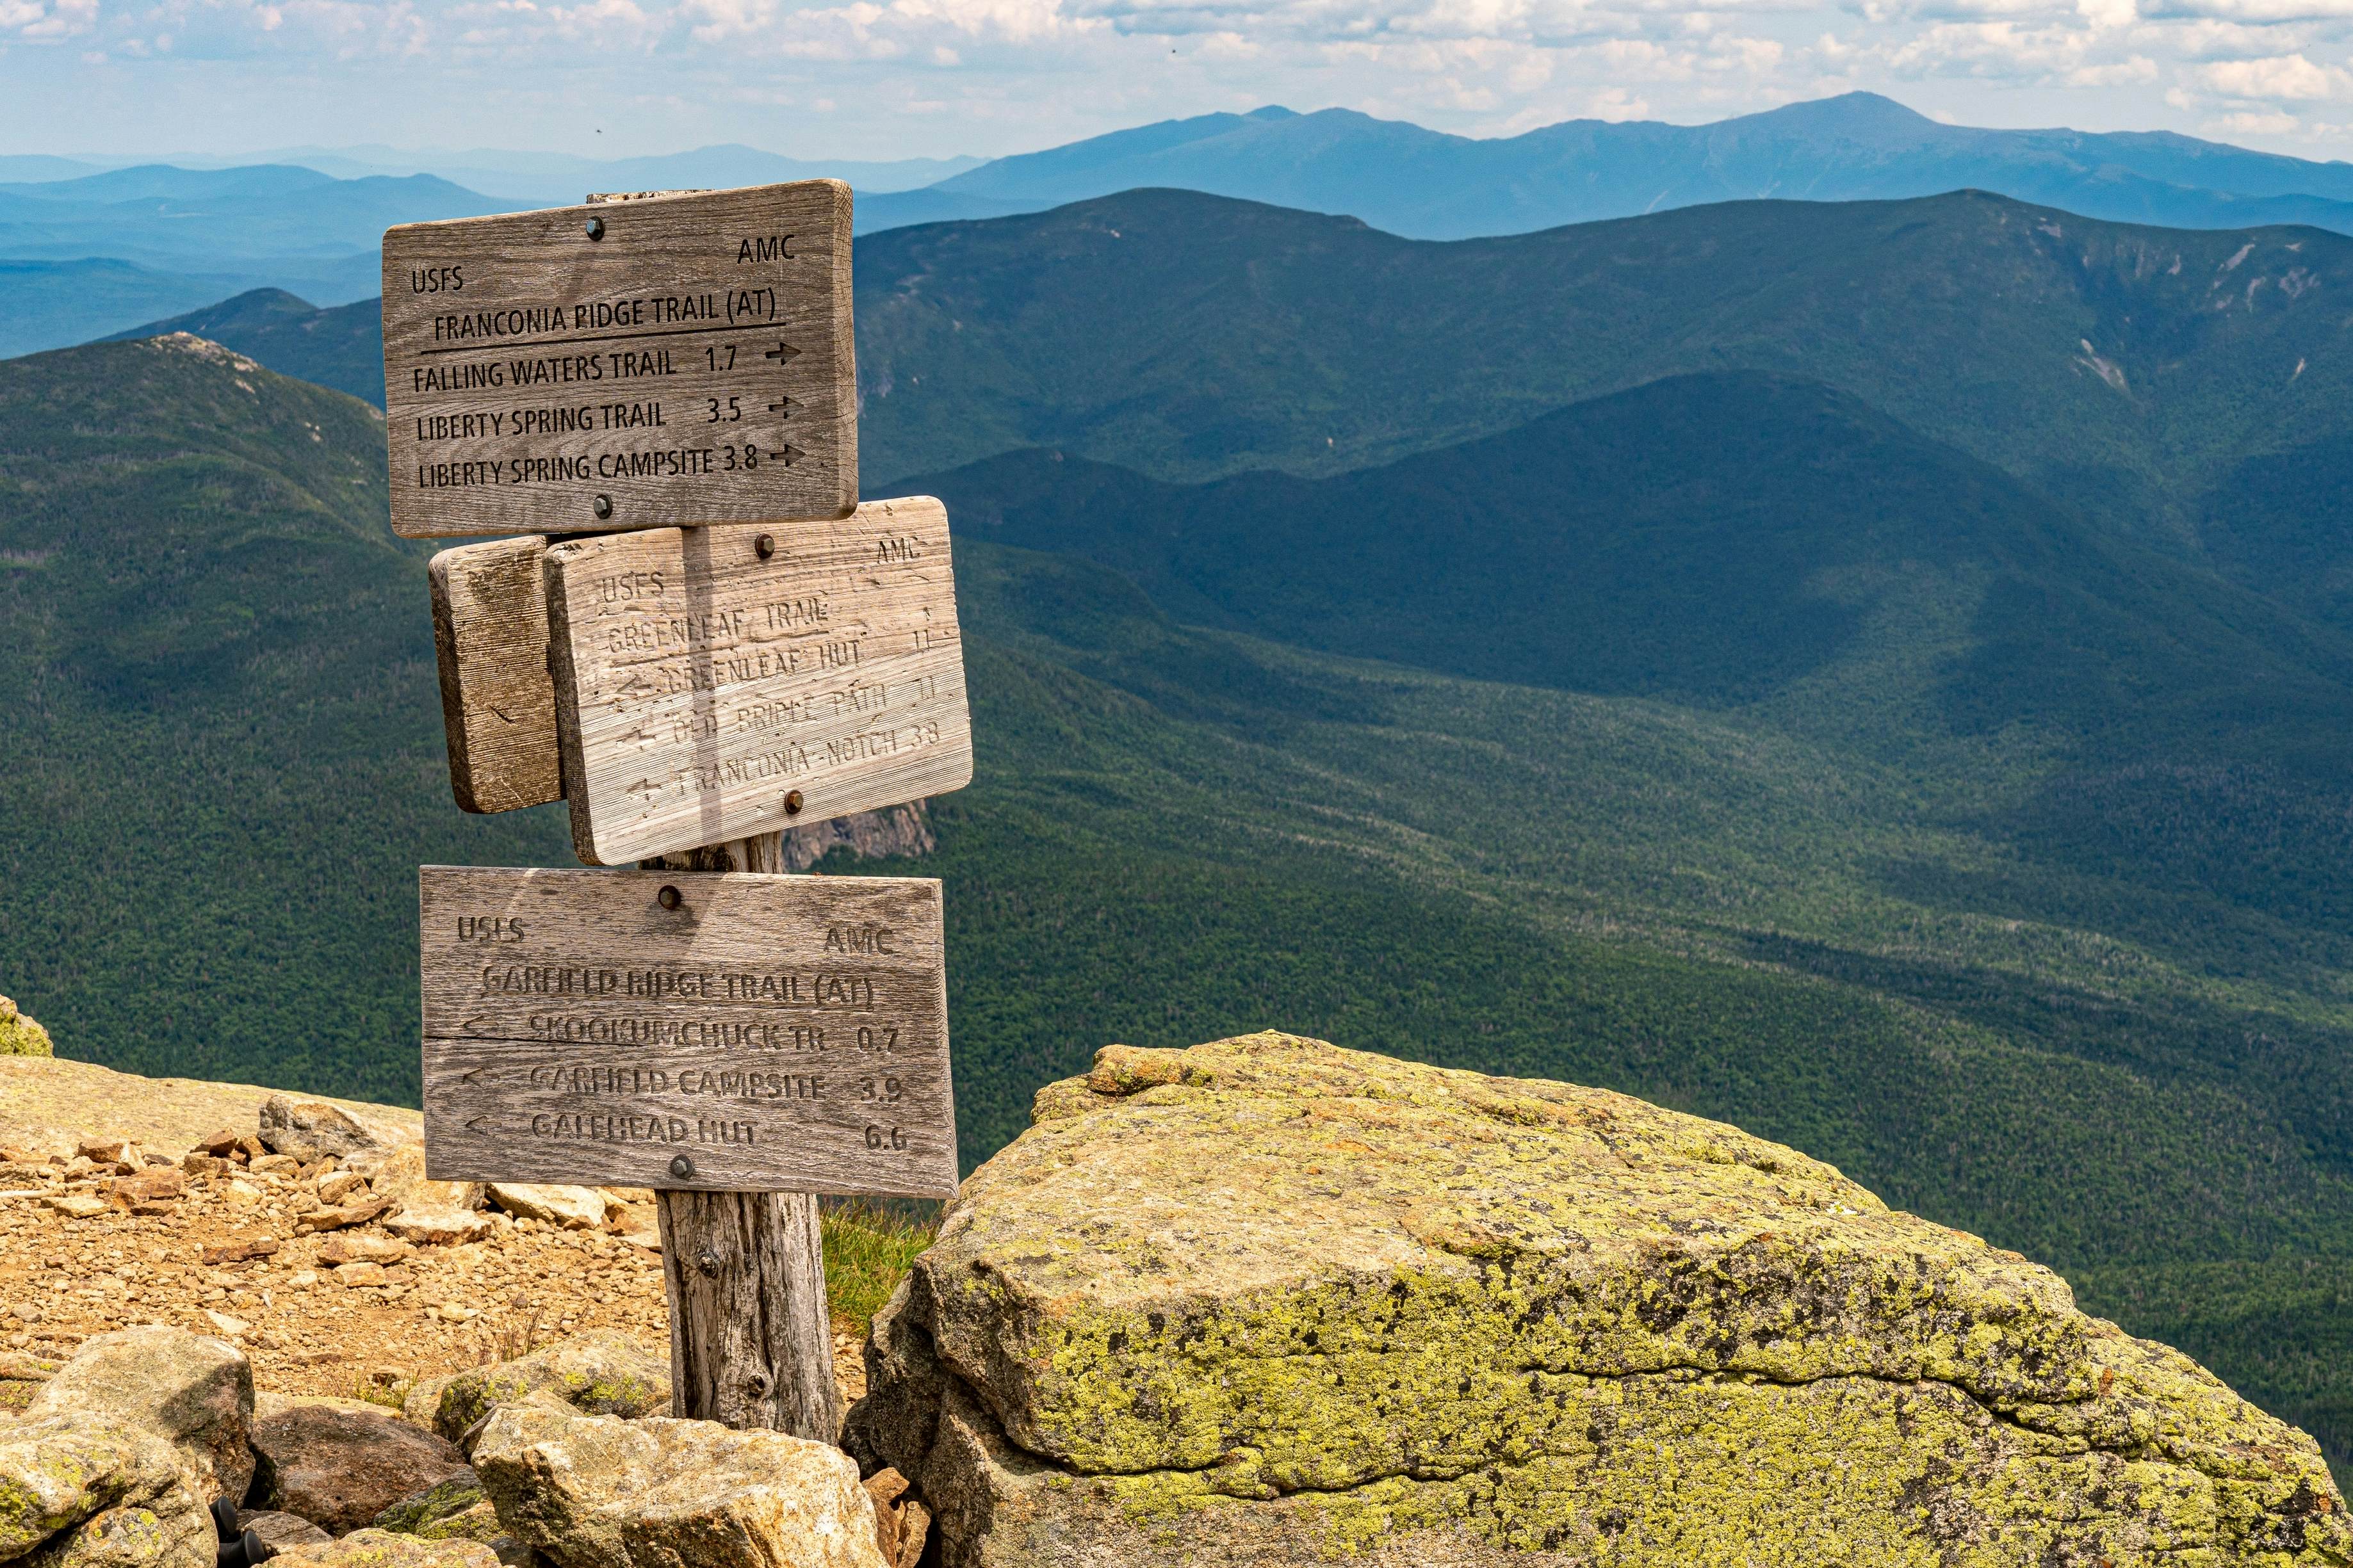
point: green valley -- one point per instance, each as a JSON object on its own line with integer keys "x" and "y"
{"x": 1977, "y": 963}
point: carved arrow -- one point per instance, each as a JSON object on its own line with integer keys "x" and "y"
{"x": 781, "y": 352}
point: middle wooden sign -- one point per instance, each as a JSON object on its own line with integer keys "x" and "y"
{"x": 711, "y": 684}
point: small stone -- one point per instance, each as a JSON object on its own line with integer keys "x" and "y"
{"x": 77, "y": 1205}
{"x": 571, "y": 1208}
{"x": 438, "y": 1227}
{"x": 360, "y": 1273}
{"x": 243, "y": 1191}
{"x": 346, "y": 1247}
{"x": 310, "y": 1129}
{"x": 281, "y": 1530}
{"x": 336, "y": 1185}
{"x": 235, "y": 1327}
{"x": 153, "y": 1183}
{"x": 275, "y": 1165}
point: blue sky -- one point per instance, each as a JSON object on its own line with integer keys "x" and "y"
{"x": 884, "y": 78}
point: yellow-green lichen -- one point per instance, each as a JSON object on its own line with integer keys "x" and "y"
{"x": 20, "y": 1035}
{"x": 1270, "y": 1279}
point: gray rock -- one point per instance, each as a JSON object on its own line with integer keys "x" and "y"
{"x": 341, "y": 1468}
{"x": 595, "y": 1492}
{"x": 572, "y": 1209}
{"x": 604, "y": 1372}
{"x": 310, "y": 1128}
{"x": 194, "y": 1393}
{"x": 76, "y": 1489}
{"x": 281, "y": 1529}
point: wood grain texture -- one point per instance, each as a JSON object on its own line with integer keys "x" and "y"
{"x": 777, "y": 1033}
{"x": 750, "y": 1342}
{"x": 498, "y": 704}
{"x": 699, "y": 687}
{"x": 694, "y": 366}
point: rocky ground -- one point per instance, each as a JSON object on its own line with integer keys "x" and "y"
{"x": 302, "y": 1259}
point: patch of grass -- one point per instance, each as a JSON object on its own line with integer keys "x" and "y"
{"x": 868, "y": 1248}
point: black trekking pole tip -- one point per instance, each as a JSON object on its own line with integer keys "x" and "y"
{"x": 256, "y": 1551}
{"x": 224, "y": 1519}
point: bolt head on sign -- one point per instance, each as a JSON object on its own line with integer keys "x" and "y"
{"x": 751, "y": 1033}
{"x": 672, "y": 361}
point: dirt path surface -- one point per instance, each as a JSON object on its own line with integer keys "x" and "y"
{"x": 92, "y": 1244}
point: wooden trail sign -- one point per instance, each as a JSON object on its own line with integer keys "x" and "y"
{"x": 489, "y": 642}
{"x": 679, "y": 360}
{"x": 686, "y": 1031}
{"x": 489, "y": 631}
{"x": 711, "y": 684}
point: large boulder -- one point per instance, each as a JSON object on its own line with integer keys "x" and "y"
{"x": 76, "y": 1489}
{"x": 194, "y": 1393}
{"x": 1268, "y": 1301}
{"x": 339, "y": 1468}
{"x": 596, "y": 1491}
{"x": 604, "y": 1372}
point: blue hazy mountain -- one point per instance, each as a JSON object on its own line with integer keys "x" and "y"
{"x": 86, "y": 256}
{"x": 52, "y": 302}
{"x": 1428, "y": 184}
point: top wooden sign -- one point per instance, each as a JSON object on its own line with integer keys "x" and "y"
{"x": 670, "y": 362}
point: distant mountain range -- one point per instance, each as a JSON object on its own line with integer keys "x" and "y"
{"x": 1858, "y": 147}
{"x": 312, "y": 227}
{"x": 2182, "y": 385}
{"x": 551, "y": 179}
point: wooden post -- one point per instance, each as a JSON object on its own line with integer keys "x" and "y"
{"x": 751, "y": 1343}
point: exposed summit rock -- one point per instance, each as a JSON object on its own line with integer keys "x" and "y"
{"x": 1266, "y": 1300}
{"x": 193, "y": 1393}
{"x": 20, "y": 1035}
{"x": 605, "y": 1373}
{"x": 597, "y": 1491}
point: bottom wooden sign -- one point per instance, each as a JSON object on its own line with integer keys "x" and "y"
{"x": 723, "y": 1033}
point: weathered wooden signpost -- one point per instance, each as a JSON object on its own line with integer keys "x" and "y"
{"x": 700, "y": 640}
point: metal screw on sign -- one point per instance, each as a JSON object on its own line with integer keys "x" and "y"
{"x": 604, "y": 506}
{"x": 765, "y": 546}
{"x": 792, "y": 802}
{"x": 668, "y": 899}
{"x": 681, "y": 1167}
{"x": 595, "y": 228}
{"x": 708, "y": 1261}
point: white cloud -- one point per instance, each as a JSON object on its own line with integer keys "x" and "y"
{"x": 2291, "y": 77}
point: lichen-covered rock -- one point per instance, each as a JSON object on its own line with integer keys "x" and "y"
{"x": 20, "y": 1035}
{"x": 605, "y": 1372}
{"x": 341, "y": 1468}
{"x": 1269, "y": 1301}
{"x": 382, "y": 1549}
{"x": 75, "y": 1490}
{"x": 194, "y": 1393}
{"x": 595, "y": 1492}
{"x": 310, "y": 1129}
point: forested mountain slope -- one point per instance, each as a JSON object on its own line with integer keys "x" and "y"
{"x": 225, "y": 765}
